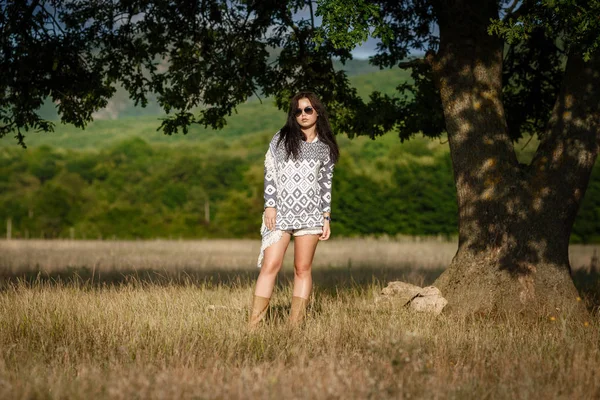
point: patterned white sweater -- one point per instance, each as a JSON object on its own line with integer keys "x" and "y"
{"x": 299, "y": 189}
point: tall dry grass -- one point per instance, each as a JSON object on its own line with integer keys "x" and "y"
{"x": 178, "y": 330}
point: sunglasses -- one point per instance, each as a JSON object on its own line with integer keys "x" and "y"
{"x": 307, "y": 110}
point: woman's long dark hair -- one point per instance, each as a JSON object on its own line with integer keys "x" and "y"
{"x": 291, "y": 133}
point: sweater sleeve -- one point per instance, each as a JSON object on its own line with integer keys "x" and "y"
{"x": 325, "y": 177}
{"x": 270, "y": 192}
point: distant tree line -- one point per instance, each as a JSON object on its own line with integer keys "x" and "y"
{"x": 136, "y": 190}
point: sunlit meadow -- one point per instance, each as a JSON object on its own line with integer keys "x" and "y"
{"x": 167, "y": 319}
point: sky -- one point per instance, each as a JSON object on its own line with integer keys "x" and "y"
{"x": 366, "y": 50}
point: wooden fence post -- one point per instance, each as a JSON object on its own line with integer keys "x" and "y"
{"x": 207, "y": 210}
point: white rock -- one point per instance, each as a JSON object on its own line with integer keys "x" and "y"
{"x": 428, "y": 299}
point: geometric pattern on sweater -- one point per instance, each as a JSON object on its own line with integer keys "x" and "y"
{"x": 300, "y": 189}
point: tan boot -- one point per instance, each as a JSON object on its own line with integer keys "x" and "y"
{"x": 260, "y": 306}
{"x": 298, "y": 311}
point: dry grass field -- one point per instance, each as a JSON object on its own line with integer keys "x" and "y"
{"x": 166, "y": 320}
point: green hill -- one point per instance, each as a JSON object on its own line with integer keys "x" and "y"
{"x": 253, "y": 116}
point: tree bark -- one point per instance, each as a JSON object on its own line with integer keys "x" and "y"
{"x": 514, "y": 221}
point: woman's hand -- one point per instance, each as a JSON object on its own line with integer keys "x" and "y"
{"x": 270, "y": 216}
{"x": 326, "y": 230}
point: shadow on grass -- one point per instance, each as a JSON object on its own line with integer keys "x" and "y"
{"x": 588, "y": 285}
{"x": 331, "y": 280}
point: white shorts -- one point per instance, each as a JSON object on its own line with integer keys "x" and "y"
{"x": 271, "y": 237}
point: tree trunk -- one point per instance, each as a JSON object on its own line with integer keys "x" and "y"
{"x": 514, "y": 221}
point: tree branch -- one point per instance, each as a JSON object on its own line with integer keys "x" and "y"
{"x": 512, "y": 13}
{"x": 290, "y": 23}
{"x": 569, "y": 147}
{"x": 54, "y": 21}
{"x": 511, "y": 8}
{"x": 412, "y": 63}
{"x": 417, "y": 62}
{"x": 312, "y": 16}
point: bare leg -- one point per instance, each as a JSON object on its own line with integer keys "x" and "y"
{"x": 304, "y": 251}
{"x": 271, "y": 266}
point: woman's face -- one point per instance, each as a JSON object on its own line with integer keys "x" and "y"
{"x": 308, "y": 115}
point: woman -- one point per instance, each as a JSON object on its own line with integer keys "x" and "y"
{"x": 298, "y": 172}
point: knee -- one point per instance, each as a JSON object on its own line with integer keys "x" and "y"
{"x": 302, "y": 270}
{"x": 270, "y": 268}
